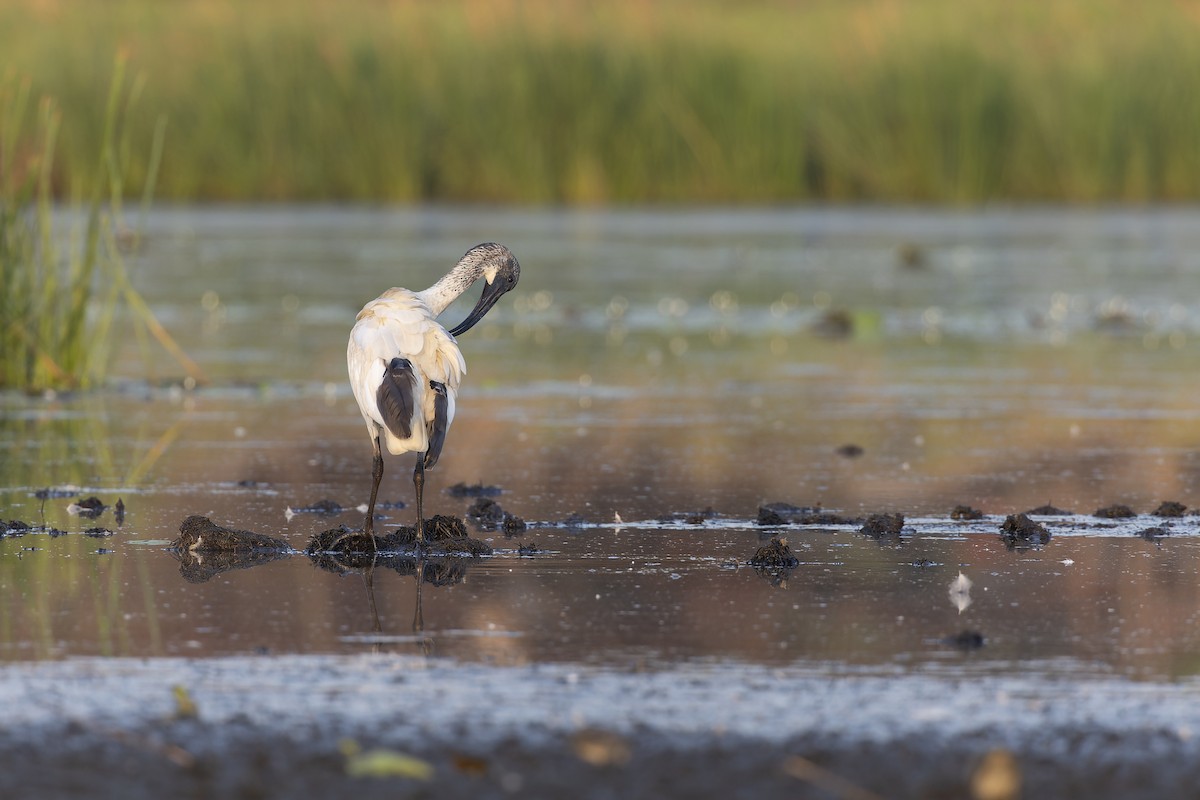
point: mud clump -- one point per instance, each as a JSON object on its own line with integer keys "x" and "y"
{"x": 14, "y": 527}
{"x": 965, "y": 640}
{"x": 97, "y": 533}
{"x": 1169, "y": 508}
{"x": 487, "y": 515}
{"x": 883, "y": 526}
{"x": 200, "y": 534}
{"x": 323, "y": 507}
{"x": 1048, "y": 511}
{"x": 1115, "y": 511}
{"x": 442, "y": 533}
{"x": 343, "y": 540}
{"x": 800, "y": 515}
{"x": 88, "y": 509}
{"x": 205, "y": 549}
{"x": 775, "y": 554}
{"x": 965, "y": 514}
{"x": 850, "y": 451}
{"x": 1020, "y": 529}
{"x": 768, "y": 517}
{"x": 1155, "y": 533}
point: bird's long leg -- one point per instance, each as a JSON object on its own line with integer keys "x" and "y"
{"x": 376, "y": 477}
{"x": 419, "y": 485}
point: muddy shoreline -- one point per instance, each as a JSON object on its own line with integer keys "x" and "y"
{"x": 278, "y": 727}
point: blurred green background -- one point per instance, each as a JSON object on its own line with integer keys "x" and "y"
{"x": 574, "y": 102}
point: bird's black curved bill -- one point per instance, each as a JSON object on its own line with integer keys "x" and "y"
{"x": 491, "y": 293}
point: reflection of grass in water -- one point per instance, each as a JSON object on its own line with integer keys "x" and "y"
{"x": 73, "y": 445}
{"x": 552, "y": 101}
{"x": 60, "y": 298}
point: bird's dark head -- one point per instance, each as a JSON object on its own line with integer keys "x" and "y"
{"x": 499, "y": 268}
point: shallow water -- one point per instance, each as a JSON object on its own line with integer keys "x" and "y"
{"x": 650, "y": 363}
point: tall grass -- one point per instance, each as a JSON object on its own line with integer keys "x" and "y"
{"x": 61, "y": 292}
{"x": 569, "y": 101}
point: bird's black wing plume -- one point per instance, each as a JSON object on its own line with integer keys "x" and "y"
{"x": 439, "y": 424}
{"x": 395, "y": 397}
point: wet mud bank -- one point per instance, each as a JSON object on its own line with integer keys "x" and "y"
{"x": 388, "y": 726}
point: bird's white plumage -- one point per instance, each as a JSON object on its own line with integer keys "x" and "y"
{"x": 400, "y": 324}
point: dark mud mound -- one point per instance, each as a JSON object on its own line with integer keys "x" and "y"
{"x": 442, "y": 534}
{"x": 487, "y": 515}
{"x": 786, "y": 513}
{"x": 1115, "y": 511}
{"x": 90, "y": 508}
{"x": 344, "y": 541}
{"x": 14, "y": 527}
{"x": 965, "y": 514}
{"x": 1169, "y": 508}
{"x": 1020, "y": 530}
{"x": 205, "y": 549}
{"x": 325, "y": 508}
{"x": 689, "y": 517}
{"x": 883, "y": 526}
{"x": 199, "y": 534}
{"x": 473, "y": 490}
{"x": 965, "y": 640}
{"x": 1049, "y": 511}
{"x": 1155, "y": 533}
{"x": 775, "y": 554}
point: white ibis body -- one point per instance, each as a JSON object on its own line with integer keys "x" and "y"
{"x": 405, "y": 368}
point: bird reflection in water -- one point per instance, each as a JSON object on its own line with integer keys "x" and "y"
{"x": 205, "y": 550}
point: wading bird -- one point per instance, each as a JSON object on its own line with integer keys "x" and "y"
{"x": 405, "y": 367}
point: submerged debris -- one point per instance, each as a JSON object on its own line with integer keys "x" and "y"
{"x": 1169, "y": 508}
{"x": 850, "y": 451}
{"x": 528, "y": 549}
{"x": 1048, "y": 511}
{"x": 325, "y": 507}
{"x": 200, "y": 534}
{"x": 965, "y": 640}
{"x": 513, "y": 525}
{"x": 57, "y": 492}
{"x": 965, "y": 513}
{"x": 1115, "y": 511}
{"x": 119, "y": 512}
{"x": 775, "y": 554}
{"x": 836, "y": 323}
{"x": 880, "y": 526}
{"x": 461, "y": 489}
{"x": 97, "y": 533}
{"x": 1019, "y": 528}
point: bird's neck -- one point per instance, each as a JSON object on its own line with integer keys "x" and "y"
{"x": 439, "y": 296}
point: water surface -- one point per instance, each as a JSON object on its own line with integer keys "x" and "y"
{"x": 651, "y": 363}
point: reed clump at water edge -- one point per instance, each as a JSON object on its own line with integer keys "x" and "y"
{"x": 62, "y": 291}
{"x": 567, "y": 101}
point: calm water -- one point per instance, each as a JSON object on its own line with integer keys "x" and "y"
{"x": 650, "y": 363}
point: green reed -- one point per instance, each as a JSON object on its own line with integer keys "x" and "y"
{"x": 565, "y": 101}
{"x": 63, "y": 288}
